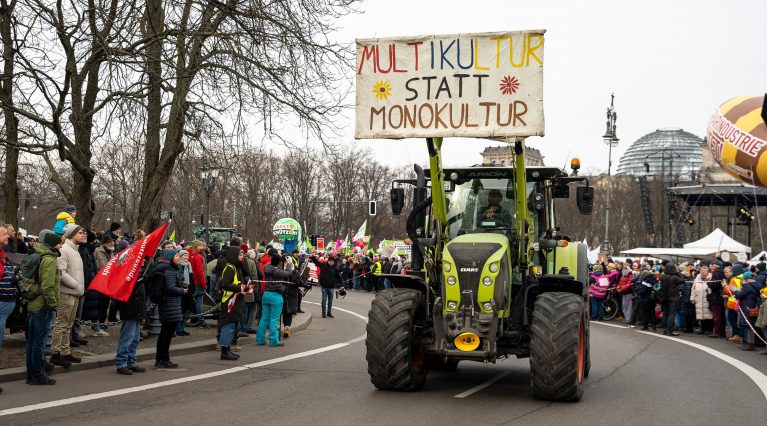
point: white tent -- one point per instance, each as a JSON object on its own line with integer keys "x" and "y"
{"x": 706, "y": 247}
{"x": 718, "y": 241}
{"x": 758, "y": 257}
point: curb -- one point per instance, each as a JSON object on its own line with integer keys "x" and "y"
{"x": 108, "y": 360}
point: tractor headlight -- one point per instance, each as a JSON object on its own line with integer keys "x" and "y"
{"x": 446, "y": 267}
{"x": 487, "y": 306}
{"x": 451, "y": 306}
{"x": 494, "y": 267}
{"x": 451, "y": 280}
{"x": 487, "y": 281}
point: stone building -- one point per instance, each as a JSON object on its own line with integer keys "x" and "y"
{"x": 503, "y": 156}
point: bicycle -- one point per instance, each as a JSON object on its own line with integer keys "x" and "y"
{"x": 610, "y": 304}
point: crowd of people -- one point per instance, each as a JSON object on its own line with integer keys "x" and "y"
{"x": 249, "y": 290}
{"x": 717, "y": 298}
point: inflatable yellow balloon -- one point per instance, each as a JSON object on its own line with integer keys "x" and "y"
{"x": 737, "y": 138}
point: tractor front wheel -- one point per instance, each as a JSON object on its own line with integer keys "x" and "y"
{"x": 558, "y": 347}
{"x": 395, "y": 361}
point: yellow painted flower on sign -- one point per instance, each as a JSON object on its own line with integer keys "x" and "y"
{"x": 382, "y": 90}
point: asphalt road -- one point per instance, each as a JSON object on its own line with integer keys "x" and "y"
{"x": 320, "y": 377}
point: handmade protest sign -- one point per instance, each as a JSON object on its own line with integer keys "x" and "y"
{"x": 468, "y": 85}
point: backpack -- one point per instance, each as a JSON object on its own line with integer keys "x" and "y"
{"x": 28, "y": 279}
{"x": 156, "y": 286}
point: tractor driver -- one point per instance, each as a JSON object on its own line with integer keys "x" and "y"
{"x": 494, "y": 211}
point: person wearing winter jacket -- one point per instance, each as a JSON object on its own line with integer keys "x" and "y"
{"x": 614, "y": 275}
{"x": 166, "y": 269}
{"x": 196, "y": 259}
{"x": 233, "y": 287}
{"x": 598, "y": 285}
{"x": 329, "y": 278}
{"x": 102, "y": 255}
{"x": 627, "y": 301}
{"x": 699, "y": 298}
{"x": 66, "y": 217}
{"x": 670, "y": 283}
{"x": 272, "y": 300}
{"x": 72, "y": 287}
{"x": 131, "y": 313}
{"x": 748, "y": 298}
{"x": 644, "y": 289}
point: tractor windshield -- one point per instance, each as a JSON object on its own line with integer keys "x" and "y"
{"x": 480, "y": 205}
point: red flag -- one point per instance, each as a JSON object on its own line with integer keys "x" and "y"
{"x": 117, "y": 278}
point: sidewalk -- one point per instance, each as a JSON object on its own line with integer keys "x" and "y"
{"x": 100, "y": 351}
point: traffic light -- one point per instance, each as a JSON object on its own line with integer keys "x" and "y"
{"x": 372, "y": 208}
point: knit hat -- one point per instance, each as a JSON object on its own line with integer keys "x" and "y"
{"x": 71, "y": 230}
{"x": 645, "y": 274}
{"x": 49, "y": 238}
{"x": 70, "y": 209}
{"x": 276, "y": 259}
{"x": 261, "y": 250}
{"x": 717, "y": 263}
{"x": 272, "y": 252}
{"x": 115, "y": 226}
{"x": 182, "y": 253}
{"x": 169, "y": 254}
{"x": 748, "y": 275}
{"x": 244, "y": 247}
{"x": 122, "y": 245}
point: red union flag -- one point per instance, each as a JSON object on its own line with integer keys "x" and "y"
{"x": 117, "y": 278}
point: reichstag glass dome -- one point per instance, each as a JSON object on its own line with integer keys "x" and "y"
{"x": 662, "y": 150}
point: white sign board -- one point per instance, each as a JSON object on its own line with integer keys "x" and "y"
{"x": 464, "y": 85}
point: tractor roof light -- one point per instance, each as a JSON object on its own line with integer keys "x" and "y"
{"x": 561, "y": 243}
{"x": 575, "y": 164}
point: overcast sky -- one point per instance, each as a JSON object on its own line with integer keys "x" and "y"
{"x": 670, "y": 64}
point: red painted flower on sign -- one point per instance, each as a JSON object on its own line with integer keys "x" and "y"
{"x": 509, "y": 85}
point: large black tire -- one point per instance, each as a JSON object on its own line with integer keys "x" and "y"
{"x": 558, "y": 347}
{"x": 394, "y": 361}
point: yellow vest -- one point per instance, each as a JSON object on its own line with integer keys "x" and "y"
{"x": 378, "y": 270}
{"x": 228, "y": 294}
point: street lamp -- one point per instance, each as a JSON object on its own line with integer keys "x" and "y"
{"x": 209, "y": 176}
{"x": 610, "y": 139}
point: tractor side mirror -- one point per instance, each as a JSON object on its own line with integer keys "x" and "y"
{"x": 397, "y": 196}
{"x": 585, "y": 199}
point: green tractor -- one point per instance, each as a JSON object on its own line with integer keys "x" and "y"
{"x": 491, "y": 277}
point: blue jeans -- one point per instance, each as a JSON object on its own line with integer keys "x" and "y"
{"x": 271, "y": 308}
{"x": 387, "y": 283}
{"x": 180, "y": 327}
{"x": 597, "y": 310}
{"x": 37, "y": 330}
{"x": 198, "y": 308}
{"x": 6, "y": 308}
{"x": 670, "y": 310}
{"x": 357, "y": 283}
{"x": 327, "y": 297}
{"x": 245, "y": 314}
{"x": 130, "y": 335}
{"x": 227, "y": 334}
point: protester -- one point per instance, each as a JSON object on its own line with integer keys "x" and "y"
{"x": 598, "y": 285}
{"x": 232, "y": 301}
{"x": 197, "y": 249}
{"x": 715, "y": 301}
{"x": 86, "y": 251}
{"x": 699, "y": 298}
{"x": 131, "y": 313}
{"x": 170, "y": 307}
{"x": 670, "y": 283}
{"x": 15, "y": 243}
{"x": 329, "y": 279}
{"x": 41, "y": 309}
{"x": 644, "y": 292}
{"x": 185, "y": 278}
{"x": 272, "y": 300}
{"x": 102, "y": 255}
{"x": 72, "y": 287}
{"x": 7, "y": 283}
{"x": 66, "y": 217}
{"x": 748, "y": 302}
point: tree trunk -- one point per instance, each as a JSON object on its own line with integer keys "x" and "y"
{"x": 10, "y": 183}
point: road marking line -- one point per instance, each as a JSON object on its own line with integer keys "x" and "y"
{"x": 759, "y": 378}
{"x": 478, "y": 388}
{"x": 125, "y": 391}
{"x": 362, "y": 317}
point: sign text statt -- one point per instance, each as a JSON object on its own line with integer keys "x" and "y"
{"x": 465, "y": 85}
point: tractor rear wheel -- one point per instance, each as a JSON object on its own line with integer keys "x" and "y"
{"x": 395, "y": 361}
{"x": 558, "y": 347}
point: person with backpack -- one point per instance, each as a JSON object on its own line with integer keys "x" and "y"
{"x": 41, "y": 306}
{"x": 598, "y": 285}
{"x": 166, "y": 290}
